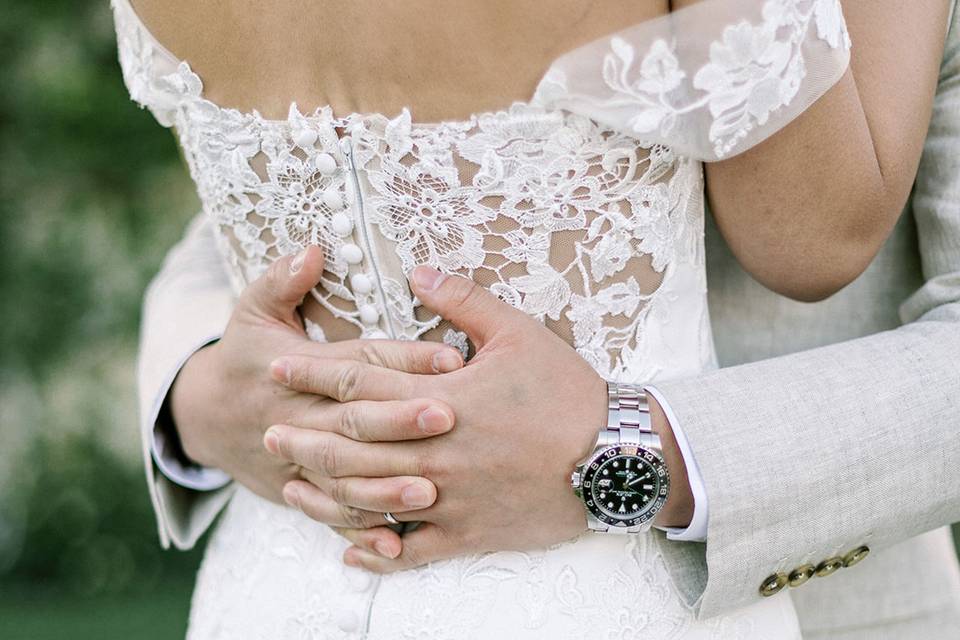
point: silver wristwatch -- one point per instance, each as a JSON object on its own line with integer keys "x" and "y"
{"x": 624, "y": 482}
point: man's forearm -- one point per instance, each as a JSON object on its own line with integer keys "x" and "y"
{"x": 187, "y": 305}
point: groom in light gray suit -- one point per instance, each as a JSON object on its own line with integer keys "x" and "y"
{"x": 831, "y": 473}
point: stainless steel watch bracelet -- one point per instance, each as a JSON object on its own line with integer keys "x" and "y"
{"x": 628, "y": 417}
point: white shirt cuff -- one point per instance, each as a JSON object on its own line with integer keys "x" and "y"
{"x": 191, "y": 476}
{"x": 696, "y": 531}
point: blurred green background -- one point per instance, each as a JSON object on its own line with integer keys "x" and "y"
{"x": 92, "y": 194}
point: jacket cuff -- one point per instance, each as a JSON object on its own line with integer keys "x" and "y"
{"x": 165, "y": 444}
{"x": 696, "y": 531}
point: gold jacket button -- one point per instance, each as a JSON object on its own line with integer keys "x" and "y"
{"x": 856, "y": 556}
{"x": 828, "y": 566}
{"x": 773, "y": 584}
{"x": 801, "y": 574}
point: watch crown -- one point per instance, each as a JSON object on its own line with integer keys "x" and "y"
{"x": 575, "y": 479}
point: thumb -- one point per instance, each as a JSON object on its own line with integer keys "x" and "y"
{"x": 463, "y": 302}
{"x": 276, "y": 294}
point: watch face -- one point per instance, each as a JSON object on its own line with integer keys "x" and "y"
{"x": 625, "y": 485}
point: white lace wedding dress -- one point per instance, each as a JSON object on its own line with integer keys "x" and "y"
{"x": 583, "y": 207}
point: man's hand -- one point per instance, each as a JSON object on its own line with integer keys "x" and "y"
{"x": 528, "y": 409}
{"x": 224, "y": 398}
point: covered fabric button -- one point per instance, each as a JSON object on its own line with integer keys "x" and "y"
{"x": 325, "y": 163}
{"x": 801, "y": 574}
{"x": 359, "y": 580}
{"x": 856, "y": 556}
{"x": 342, "y": 224}
{"x": 369, "y": 314}
{"x": 304, "y": 137}
{"x": 829, "y": 566}
{"x": 773, "y": 584}
{"x": 361, "y": 283}
{"x": 351, "y": 253}
{"x": 333, "y": 199}
{"x": 348, "y": 620}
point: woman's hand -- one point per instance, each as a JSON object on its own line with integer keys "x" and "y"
{"x": 224, "y": 398}
{"x": 528, "y": 409}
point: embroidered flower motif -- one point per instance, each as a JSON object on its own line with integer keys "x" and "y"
{"x": 744, "y": 80}
{"x": 526, "y": 247}
{"x": 429, "y": 215}
{"x": 830, "y": 23}
{"x": 175, "y": 89}
{"x": 555, "y": 195}
{"x": 659, "y": 75}
{"x": 294, "y": 203}
{"x": 545, "y": 291}
{"x": 610, "y": 255}
{"x": 752, "y": 71}
{"x": 650, "y": 224}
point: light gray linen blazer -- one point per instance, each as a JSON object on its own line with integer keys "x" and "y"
{"x": 808, "y": 453}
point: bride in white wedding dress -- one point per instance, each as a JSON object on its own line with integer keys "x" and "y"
{"x": 582, "y": 206}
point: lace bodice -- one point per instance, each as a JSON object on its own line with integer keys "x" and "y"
{"x": 582, "y": 206}
{"x": 575, "y": 207}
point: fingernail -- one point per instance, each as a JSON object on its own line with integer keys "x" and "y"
{"x": 280, "y": 370}
{"x": 427, "y": 278}
{"x": 297, "y": 262}
{"x": 384, "y": 549}
{"x": 446, "y": 361}
{"x": 432, "y": 420}
{"x": 416, "y": 495}
{"x": 271, "y": 441}
{"x": 291, "y": 497}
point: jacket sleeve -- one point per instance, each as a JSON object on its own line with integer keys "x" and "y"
{"x": 809, "y": 458}
{"x": 187, "y": 306}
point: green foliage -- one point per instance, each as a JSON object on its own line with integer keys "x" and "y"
{"x": 91, "y": 191}
{"x": 84, "y": 526}
{"x": 92, "y": 195}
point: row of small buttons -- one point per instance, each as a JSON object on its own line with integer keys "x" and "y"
{"x": 343, "y": 226}
{"x": 800, "y": 575}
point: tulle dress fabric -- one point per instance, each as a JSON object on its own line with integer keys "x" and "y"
{"x": 582, "y": 206}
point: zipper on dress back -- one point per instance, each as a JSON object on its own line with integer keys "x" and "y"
{"x": 346, "y": 147}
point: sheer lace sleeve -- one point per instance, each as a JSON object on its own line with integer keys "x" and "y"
{"x": 710, "y": 80}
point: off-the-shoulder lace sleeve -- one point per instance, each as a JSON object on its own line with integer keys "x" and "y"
{"x": 154, "y": 77}
{"x": 711, "y": 80}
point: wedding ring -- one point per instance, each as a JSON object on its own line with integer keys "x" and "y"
{"x": 389, "y": 517}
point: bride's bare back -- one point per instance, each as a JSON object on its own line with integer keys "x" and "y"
{"x": 443, "y": 59}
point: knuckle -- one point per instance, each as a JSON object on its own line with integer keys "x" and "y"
{"x": 370, "y": 353}
{"x": 354, "y": 518}
{"x": 339, "y": 491}
{"x": 349, "y": 381}
{"x": 425, "y": 466}
{"x": 412, "y": 556}
{"x": 464, "y": 293}
{"x": 426, "y": 462}
{"x": 351, "y": 422}
{"x": 326, "y": 457}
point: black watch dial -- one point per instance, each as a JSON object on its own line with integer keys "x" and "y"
{"x": 625, "y": 485}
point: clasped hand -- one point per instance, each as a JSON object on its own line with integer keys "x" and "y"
{"x": 524, "y": 410}
{"x": 479, "y": 454}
